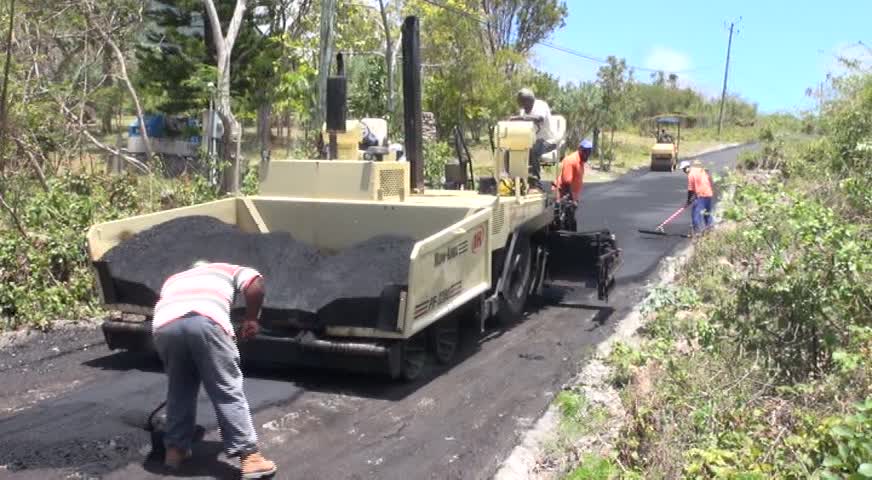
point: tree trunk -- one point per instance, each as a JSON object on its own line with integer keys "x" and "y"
{"x": 108, "y": 108}
{"x": 230, "y": 177}
{"x": 264, "y": 133}
{"x": 4, "y": 115}
{"x": 389, "y": 58}
{"x": 328, "y": 11}
{"x": 224, "y": 49}
{"x": 264, "y": 127}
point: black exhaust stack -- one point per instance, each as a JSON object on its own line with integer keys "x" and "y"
{"x": 337, "y": 105}
{"x": 412, "y": 118}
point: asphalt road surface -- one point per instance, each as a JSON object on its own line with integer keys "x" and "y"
{"x": 70, "y": 408}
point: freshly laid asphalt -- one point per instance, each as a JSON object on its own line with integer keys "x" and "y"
{"x": 70, "y": 408}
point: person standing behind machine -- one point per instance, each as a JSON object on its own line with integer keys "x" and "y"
{"x": 538, "y": 112}
{"x": 571, "y": 176}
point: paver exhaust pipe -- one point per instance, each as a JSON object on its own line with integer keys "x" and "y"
{"x": 412, "y": 119}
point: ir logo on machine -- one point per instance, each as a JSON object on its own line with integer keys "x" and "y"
{"x": 478, "y": 240}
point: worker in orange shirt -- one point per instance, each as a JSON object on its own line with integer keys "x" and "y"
{"x": 571, "y": 175}
{"x": 699, "y": 193}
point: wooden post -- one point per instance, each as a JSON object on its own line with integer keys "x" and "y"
{"x": 115, "y": 161}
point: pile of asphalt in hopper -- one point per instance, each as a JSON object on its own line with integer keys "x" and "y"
{"x": 297, "y": 276}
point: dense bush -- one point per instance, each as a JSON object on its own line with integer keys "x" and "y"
{"x": 759, "y": 354}
{"x": 725, "y": 404}
{"x": 44, "y": 272}
{"x": 809, "y": 278}
{"x": 436, "y": 155}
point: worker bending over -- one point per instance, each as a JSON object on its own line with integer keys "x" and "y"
{"x": 699, "y": 193}
{"x": 571, "y": 175}
{"x": 538, "y": 112}
{"x": 195, "y": 340}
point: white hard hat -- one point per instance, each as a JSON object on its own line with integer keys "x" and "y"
{"x": 684, "y": 164}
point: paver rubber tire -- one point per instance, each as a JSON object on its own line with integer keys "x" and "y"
{"x": 414, "y": 357}
{"x": 445, "y": 339}
{"x": 513, "y": 298}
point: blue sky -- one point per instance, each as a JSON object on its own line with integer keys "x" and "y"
{"x": 782, "y": 46}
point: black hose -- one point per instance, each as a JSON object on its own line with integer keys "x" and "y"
{"x": 149, "y": 425}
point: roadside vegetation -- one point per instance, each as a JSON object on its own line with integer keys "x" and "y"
{"x": 754, "y": 363}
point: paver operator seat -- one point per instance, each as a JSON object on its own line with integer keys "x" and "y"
{"x": 558, "y": 126}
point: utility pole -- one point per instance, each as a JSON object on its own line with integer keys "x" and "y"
{"x": 726, "y": 72}
{"x": 820, "y": 98}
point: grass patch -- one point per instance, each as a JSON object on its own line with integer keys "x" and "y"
{"x": 578, "y": 416}
{"x": 593, "y": 467}
{"x": 623, "y": 359}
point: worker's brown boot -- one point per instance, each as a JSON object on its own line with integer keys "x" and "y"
{"x": 174, "y": 457}
{"x": 255, "y": 466}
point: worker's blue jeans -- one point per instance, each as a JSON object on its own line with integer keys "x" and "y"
{"x": 702, "y": 214}
{"x": 541, "y": 147}
{"x": 195, "y": 350}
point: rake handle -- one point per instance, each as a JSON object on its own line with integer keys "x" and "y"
{"x": 671, "y": 217}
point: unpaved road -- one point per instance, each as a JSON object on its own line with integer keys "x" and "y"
{"x": 69, "y": 407}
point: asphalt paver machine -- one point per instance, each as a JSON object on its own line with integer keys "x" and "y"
{"x": 475, "y": 255}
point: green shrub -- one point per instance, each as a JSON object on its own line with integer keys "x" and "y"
{"x": 847, "y": 445}
{"x": 592, "y": 467}
{"x": 251, "y": 181}
{"x": 812, "y": 280}
{"x": 436, "y": 155}
{"x": 46, "y": 274}
{"x": 774, "y": 315}
{"x": 622, "y": 359}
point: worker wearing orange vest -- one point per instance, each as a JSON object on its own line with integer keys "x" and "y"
{"x": 699, "y": 193}
{"x": 571, "y": 175}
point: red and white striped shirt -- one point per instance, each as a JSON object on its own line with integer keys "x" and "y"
{"x": 208, "y": 290}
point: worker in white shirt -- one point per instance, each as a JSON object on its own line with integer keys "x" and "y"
{"x": 538, "y": 112}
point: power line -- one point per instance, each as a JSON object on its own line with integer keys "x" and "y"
{"x": 603, "y": 61}
{"x": 559, "y": 48}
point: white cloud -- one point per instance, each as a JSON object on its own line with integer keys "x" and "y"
{"x": 860, "y": 53}
{"x": 668, "y": 60}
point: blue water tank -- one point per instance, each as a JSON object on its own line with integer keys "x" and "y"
{"x": 154, "y": 123}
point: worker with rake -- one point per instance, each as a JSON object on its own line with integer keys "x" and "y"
{"x": 195, "y": 340}
{"x": 699, "y": 194}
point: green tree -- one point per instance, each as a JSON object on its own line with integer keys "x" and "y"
{"x": 368, "y": 95}
{"x": 581, "y": 104}
{"x": 518, "y": 25}
{"x": 473, "y": 86}
{"x": 61, "y": 78}
{"x": 615, "y": 81}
